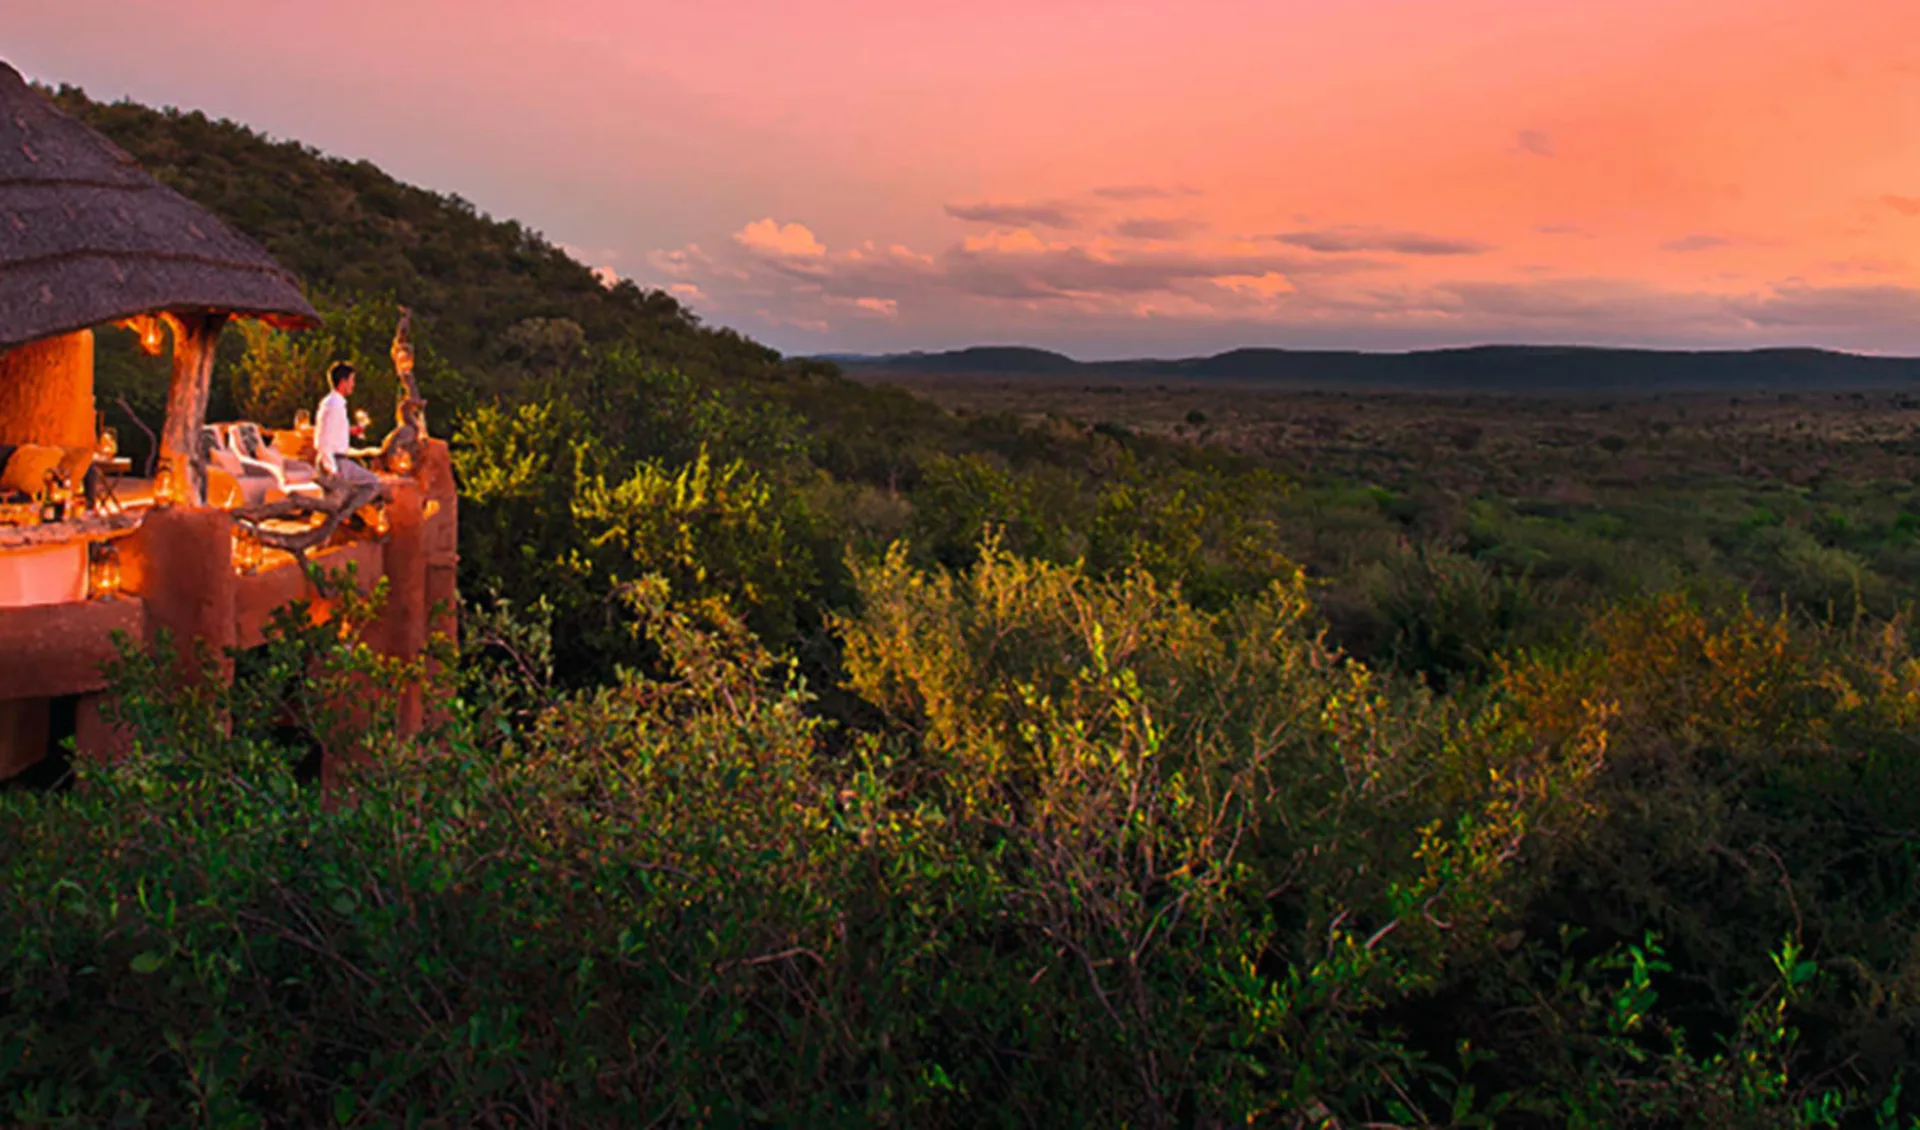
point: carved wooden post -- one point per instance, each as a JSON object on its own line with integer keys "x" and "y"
{"x": 194, "y": 338}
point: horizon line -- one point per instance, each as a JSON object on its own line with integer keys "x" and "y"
{"x": 830, "y": 355}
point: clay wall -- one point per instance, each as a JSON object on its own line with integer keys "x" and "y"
{"x": 46, "y": 392}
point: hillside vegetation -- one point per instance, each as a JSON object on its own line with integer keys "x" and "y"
{"x": 818, "y": 755}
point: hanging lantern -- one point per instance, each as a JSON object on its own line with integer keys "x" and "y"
{"x": 103, "y": 570}
{"x": 150, "y": 332}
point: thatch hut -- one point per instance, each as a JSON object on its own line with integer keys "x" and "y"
{"x": 88, "y": 238}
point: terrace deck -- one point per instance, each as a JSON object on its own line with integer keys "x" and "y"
{"x": 179, "y": 574}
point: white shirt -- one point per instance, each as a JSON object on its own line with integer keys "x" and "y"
{"x": 331, "y": 434}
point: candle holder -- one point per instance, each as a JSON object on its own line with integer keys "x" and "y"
{"x": 248, "y": 553}
{"x": 103, "y": 570}
{"x": 166, "y": 488}
{"x": 54, "y": 497}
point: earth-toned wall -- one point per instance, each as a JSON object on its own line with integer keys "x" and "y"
{"x": 178, "y": 576}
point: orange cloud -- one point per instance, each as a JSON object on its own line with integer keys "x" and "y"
{"x": 1361, "y": 238}
{"x": 1019, "y": 241}
{"x": 1157, "y": 228}
{"x": 770, "y": 237}
{"x": 1014, "y": 214}
{"x": 1270, "y": 284}
{"x": 1537, "y": 142}
{"x": 1701, "y": 242}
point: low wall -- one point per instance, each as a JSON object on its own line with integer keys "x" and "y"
{"x": 178, "y": 578}
{"x": 57, "y": 649}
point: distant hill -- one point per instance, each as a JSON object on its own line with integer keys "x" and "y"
{"x": 983, "y": 359}
{"x": 1511, "y": 368}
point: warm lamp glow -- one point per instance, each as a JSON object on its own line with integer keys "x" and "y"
{"x": 400, "y": 461}
{"x": 148, "y": 328}
{"x": 55, "y": 498}
{"x": 248, "y": 553}
{"x": 166, "y": 491}
{"x": 103, "y": 571}
{"x": 380, "y": 523}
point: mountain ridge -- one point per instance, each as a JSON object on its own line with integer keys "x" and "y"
{"x": 1502, "y": 366}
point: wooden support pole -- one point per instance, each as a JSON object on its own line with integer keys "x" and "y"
{"x": 195, "y": 337}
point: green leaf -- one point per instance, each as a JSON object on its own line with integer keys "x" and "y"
{"x": 343, "y": 1104}
{"x": 149, "y": 961}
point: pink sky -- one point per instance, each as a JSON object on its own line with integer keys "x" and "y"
{"x": 1111, "y": 177}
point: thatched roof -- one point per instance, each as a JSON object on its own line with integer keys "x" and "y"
{"x": 87, "y": 237}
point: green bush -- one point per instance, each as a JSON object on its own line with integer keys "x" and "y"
{"x": 1119, "y": 860}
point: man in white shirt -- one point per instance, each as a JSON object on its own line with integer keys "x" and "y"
{"x": 334, "y": 432}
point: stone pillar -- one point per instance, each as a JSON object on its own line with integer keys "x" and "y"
{"x": 180, "y": 562}
{"x": 442, "y": 547}
{"x": 402, "y": 631}
{"x": 46, "y": 392}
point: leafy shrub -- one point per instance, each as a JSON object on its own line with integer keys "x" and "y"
{"x": 1447, "y": 617}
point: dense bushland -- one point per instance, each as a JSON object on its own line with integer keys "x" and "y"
{"x": 1113, "y": 858}
{"x": 816, "y": 756}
